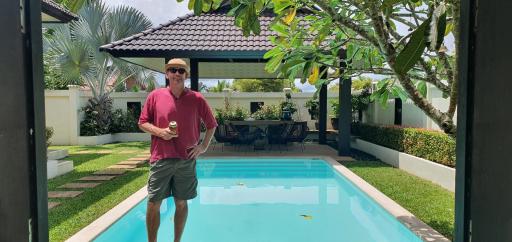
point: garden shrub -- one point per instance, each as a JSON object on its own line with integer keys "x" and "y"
{"x": 49, "y": 134}
{"x": 124, "y": 122}
{"x": 427, "y": 144}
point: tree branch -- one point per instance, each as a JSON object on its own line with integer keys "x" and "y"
{"x": 431, "y": 78}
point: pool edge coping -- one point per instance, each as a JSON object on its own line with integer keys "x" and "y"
{"x": 418, "y": 227}
{"x": 98, "y": 226}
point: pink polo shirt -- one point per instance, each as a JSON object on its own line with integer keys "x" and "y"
{"x": 188, "y": 110}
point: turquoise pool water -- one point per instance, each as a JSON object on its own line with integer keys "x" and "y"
{"x": 270, "y": 200}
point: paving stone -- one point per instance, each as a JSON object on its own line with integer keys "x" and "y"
{"x": 64, "y": 194}
{"x": 79, "y": 185}
{"x": 110, "y": 172}
{"x": 52, "y": 205}
{"x": 128, "y": 152}
{"x": 139, "y": 158}
{"x": 122, "y": 167}
{"x": 96, "y": 178}
{"x": 103, "y": 152}
{"x": 132, "y": 162}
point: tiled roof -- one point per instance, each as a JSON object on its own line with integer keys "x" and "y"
{"x": 57, "y": 11}
{"x": 207, "y": 32}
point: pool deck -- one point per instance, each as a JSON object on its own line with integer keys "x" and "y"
{"x": 425, "y": 232}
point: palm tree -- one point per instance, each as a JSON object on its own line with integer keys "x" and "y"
{"x": 221, "y": 84}
{"x": 74, "y": 50}
{"x": 74, "y": 54}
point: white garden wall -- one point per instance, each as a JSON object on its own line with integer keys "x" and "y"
{"x": 64, "y": 115}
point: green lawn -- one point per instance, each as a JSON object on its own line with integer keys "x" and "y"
{"x": 76, "y": 213}
{"x": 429, "y": 202}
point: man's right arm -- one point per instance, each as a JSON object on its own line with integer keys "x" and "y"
{"x": 156, "y": 131}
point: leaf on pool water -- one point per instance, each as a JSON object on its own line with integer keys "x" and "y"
{"x": 240, "y": 184}
{"x": 307, "y": 217}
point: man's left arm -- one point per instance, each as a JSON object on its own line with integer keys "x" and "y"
{"x": 207, "y": 117}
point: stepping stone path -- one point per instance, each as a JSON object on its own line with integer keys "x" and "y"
{"x": 122, "y": 167}
{"x": 132, "y": 162}
{"x": 96, "y": 178}
{"x": 99, "y": 176}
{"x": 139, "y": 158}
{"x": 128, "y": 152}
{"x": 111, "y": 172}
{"x": 64, "y": 194}
{"x": 52, "y": 205}
{"x": 79, "y": 185}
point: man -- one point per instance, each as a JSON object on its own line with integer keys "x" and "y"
{"x": 173, "y": 156}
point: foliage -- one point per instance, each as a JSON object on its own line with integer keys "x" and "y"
{"x": 361, "y": 100}
{"x": 268, "y": 112}
{"x": 357, "y": 84}
{"x": 313, "y": 106}
{"x": 236, "y": 113}
{"x": 51, "y": 80}
{"x": 335, "y": 107}
{"x": 263, "y": 85}
{"x": 431, "y": 145}
{"x": 72, "y": 5}
{"x": 367, "y": 30}
{"x": 49, "y": 133}
{"x": 221, "y": 85}
{"x": 74, "y": 49}
{"x": 97, "y": 116}
{"x": 124, "y": 122}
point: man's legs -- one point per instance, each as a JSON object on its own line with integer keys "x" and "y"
{"x": 180, "y": 218}
{"x": 153, "y": 220}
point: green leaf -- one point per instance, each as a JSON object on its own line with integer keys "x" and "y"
{"x": 191, "y": 4}
{"x": 281, "y": 29}
{"x": 198, "y": 6}
{"x": 422, "y": 88}
{"x": 449, "y": 28}
{"x": 280, "y": 5}
{"x": 291, "y": 63}
{"x": 399, "y": 92}
{"x": 388, "y": 4}
{"x": 441, "y": 29}
{"x": 273, "y": 52}
{"x": 413, "y": 50}
{"x": 384, "y": 98}
{"x": 274, "y": 63}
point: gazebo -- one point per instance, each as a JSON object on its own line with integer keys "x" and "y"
{"x": 216, "y": 48}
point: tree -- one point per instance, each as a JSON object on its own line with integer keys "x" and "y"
{"x": 74, "y": 50}
{"x": 368, "y": 30}
{"x": 263, "y": 85}
{"x": 221, "y": 84}
{"x": 358, "y": 84}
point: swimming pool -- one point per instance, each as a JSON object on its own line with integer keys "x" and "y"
{"x": 270, "y": 200}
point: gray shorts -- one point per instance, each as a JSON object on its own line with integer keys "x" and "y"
{"x": 172, "y": 177}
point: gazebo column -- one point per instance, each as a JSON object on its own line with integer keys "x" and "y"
{"x": 345, "y": 101}
{"x": 194, "y": 74}
{"x": 322, "y": 119}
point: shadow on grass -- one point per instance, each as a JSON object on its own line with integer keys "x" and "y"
{"x": 73, "y": 206}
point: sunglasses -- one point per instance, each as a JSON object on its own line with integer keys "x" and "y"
{"x": 179, "y": 70}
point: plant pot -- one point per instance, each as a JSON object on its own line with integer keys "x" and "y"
{"x": 334, "y": 123}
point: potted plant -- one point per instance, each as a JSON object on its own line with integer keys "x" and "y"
{"x": 313, "y": 107}
{"x": 335, "y": 112}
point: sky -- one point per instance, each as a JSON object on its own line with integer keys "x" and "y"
{"x": 162, "y": 11}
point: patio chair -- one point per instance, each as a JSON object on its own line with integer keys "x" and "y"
{"x": 298, "y": 133}
{"x": 245, "y": 136}
{"x": 278, "y": 134}
{"x": 225, "y": 133}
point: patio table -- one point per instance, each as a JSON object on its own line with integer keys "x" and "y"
{"x": 262, "y": 125}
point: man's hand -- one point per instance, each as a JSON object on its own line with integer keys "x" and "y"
{"x": 165, "y": 134}
{"x": 195, "y": 151}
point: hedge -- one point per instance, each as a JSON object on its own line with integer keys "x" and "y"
{"x": 427, "y": 144}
